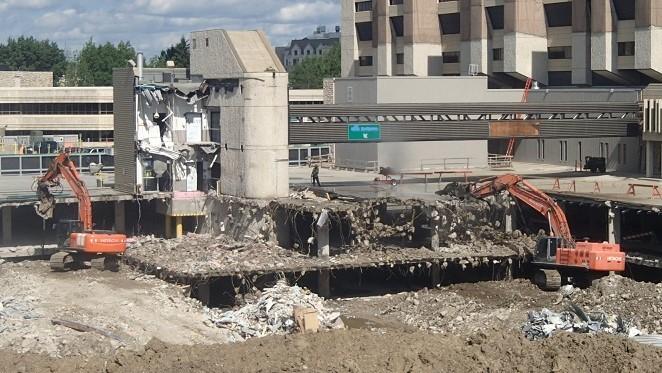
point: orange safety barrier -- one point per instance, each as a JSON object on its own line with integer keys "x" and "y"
{"x": 655, "y": 191}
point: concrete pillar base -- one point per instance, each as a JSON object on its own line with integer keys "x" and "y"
{"x": 120, "y": 217}
{"x": 324, "y": 283}
{"x": 179, "y": 227}
{"x": 614, "y": 225}
{"x": 7, "y": 225}
{"x": 168, "y": 226}
{"x": 435, "y": 275}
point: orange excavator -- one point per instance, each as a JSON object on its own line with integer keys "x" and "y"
{"x": 78, "y": 241}
{"x": 557, "y": 257}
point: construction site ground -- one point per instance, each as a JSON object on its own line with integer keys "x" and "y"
{"x": 147, "y": 325}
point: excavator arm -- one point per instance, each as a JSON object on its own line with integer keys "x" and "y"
{"x": 63, "y": 167}
{"x": 535, "y": 198}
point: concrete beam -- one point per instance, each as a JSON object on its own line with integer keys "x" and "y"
{"x": 6, "y": 225}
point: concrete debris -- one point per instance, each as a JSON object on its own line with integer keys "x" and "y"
{"x": 305, "y": 194}
{"x": 273, "y": 313}
{"x": 542, "y": 324}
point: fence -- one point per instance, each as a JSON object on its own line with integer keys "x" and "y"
{"x": 445, "y": 163}
{"x": 38, "y": 163}
{"x": 352, "y": 164}
{"x": 500, "y": 161}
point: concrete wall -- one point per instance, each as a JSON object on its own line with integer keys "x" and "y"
{"x": 391, "y": 90}
{"x": 26, "y": 79}
{"x": 527, "y": 151}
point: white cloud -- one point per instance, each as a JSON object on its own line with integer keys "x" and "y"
{"x": 152, "y": 25}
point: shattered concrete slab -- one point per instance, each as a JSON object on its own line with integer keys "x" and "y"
{"x": 203, "y": 256}
{"x": 273, "y": 313}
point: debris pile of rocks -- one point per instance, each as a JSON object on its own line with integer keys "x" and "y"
{"x": 273, "y": 313}
{"x": 542, "y": 324}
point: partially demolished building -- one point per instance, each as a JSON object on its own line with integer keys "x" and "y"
{"x": 224, "y": 128}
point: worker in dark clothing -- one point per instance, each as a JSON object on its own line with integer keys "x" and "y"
{"x": 315, "y": 175}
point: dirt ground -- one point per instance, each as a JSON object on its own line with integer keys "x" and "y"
{"x": 132, "y": 308}
{"x": 152, "y": 326}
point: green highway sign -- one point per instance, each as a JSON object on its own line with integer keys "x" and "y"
{"x": 364, "y": 132}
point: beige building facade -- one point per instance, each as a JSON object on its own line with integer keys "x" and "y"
{"x": 555, "y": 42}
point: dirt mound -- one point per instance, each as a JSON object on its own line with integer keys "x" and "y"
{"x": 368, "y": 351}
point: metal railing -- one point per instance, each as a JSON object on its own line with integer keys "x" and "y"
{"x": 353, "y": 164}
{"x": 38, "y": 163}
{"x": 500, "y": 161}
{"x": 445, "y": 163}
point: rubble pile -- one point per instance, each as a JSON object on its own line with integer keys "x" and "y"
{"x": 542, "y": 324}
{"x": 273, "y": 313}
{"x": 640, "y": 302}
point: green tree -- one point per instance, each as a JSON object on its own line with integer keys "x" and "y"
{"x": 95, "y": 63}
{"x": 179, "y": 53}
{"x": 29, "y": 54}
{"x": 311, "y": 72}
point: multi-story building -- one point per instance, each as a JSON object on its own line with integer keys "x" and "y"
{"x": 314, "y": 45}
{"x": 556, "y": 42}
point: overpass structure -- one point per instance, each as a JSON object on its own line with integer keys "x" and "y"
{"x": 459, "y": 121}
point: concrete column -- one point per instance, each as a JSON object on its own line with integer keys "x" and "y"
{"x": 168, "y": 226}
{"x": 434, "y": 230}
{"x": 435, "y": 275}
{"x": 511, "y": 219}
{"x": 323, "y": 246}
{"x": 324, "y": 283}
{"x": 650, "y": 158}
{"x": 614, "y": 225}
{"x": 179, "y": 227}
{"x": 6, "y": 225}
{"x": 120, "y": 217}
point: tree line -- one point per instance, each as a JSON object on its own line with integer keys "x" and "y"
{"x": 93, "y": 64}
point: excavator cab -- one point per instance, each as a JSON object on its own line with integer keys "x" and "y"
{"x": 64, "y": 229}
{"x": 546, "y": 249}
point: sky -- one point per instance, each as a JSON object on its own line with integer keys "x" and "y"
{"x": 153, "y": 25}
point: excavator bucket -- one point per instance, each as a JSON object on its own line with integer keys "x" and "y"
{"x": 46, "y": 204}
{"x": 454, "y": 189}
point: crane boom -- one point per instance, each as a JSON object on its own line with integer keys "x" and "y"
{"x": 530, "y": 195}
{"x": 63, "y": 166}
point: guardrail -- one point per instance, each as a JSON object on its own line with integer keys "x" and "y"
{"x": 321, "y": 160}
{"x": 499, "y": 161}
{"x": 38, "y": 163}
{"x": 353, "y": 164}
{"x": 445, "y": 163}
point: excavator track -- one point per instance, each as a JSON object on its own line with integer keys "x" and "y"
{"x": 61, "y": 261}
{"x": 547, "y": 279}
{"x": 105, "y": 263}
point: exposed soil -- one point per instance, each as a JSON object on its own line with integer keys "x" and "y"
{"x": 368, "y": 351}
{"x": 130, "y": 307}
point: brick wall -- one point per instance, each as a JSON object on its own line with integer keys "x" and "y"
{"x": 26, "y": 79}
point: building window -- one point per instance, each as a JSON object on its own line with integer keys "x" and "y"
{"x": 497, "y": 54}
{"x": 308, "y": 52}
{"x": 364, "y": 31}
{"x": 399, "y": 58}
{"x": 194, "y": 43}
{"x": 396, "y": 2}
{"x": 450, "y": 23}
{"x": 363, "y": 6}
{"x": 541, "y": 149}
{"x": 559, "y": 14}
{"x": 450, "y": 57}
{"x": 559, "y": 53}
{"x": 207, "y": 42}
{"x": 564, "y": 150}
{"x": 626, "y": 48}
{"x": 559, "y": 78}
{"x": 294, "y": 61}
{"x": 296, "y": 52}
{"x": 495, "y": 16}
{"x": 365, "y": 60}
{"x": 397, "y": 23}
{"x": 625, "y": 9}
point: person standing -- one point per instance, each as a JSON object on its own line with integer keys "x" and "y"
{"x": 315, "y": 175}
